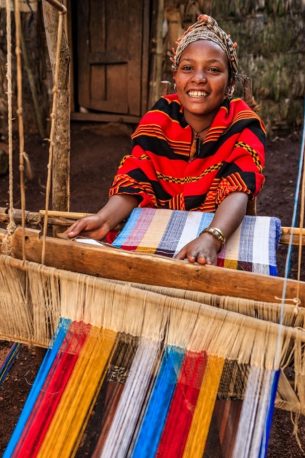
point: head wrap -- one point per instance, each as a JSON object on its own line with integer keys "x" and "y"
{"x": 206, "y": 28}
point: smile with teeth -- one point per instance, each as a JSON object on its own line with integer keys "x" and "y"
{"x": 197, "y": 94}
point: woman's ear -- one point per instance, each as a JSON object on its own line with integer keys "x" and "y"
{"x": 229, "y": 91}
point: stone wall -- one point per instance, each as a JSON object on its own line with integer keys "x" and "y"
{"x": 271, "y": 49}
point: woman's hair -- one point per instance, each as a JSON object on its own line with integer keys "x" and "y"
{"x": 206, "y": 28}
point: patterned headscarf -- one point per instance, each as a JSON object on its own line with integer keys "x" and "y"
{"x": 206, "y": 28}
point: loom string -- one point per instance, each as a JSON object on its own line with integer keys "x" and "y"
{"x": 301, "y": 224}
{"x": 266, "y": 432}
{"x": 9, "y": 361}
{"x": 109, "y": 397}
{"x": 294, "y": 215}
{"x": 7, "y": 243}
{"x": 52, "y": 390}
{"x": 20, "y": 121}
{"x": 158, "y": 405}
{"x": 197, "y": 436}
{"x": 182, "y": 406}
{"x": 287, "y": 272}
{"x": 136, "y": 391}
{"x": 68, "y": 421}
{"x": 92, "y": 405}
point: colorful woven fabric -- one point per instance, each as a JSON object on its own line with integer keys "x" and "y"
{"x": 252, "y": 247}
{"x": 169, "y": 168}
{"x": 161, "y": 401}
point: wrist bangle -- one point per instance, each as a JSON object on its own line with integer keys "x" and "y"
{"x": 216, "y": 233}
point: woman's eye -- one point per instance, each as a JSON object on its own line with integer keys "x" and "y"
{"x": 186, "y": 68}
{"x": 214, "y": 69}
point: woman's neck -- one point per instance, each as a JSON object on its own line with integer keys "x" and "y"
{"x": 198, "y": 123}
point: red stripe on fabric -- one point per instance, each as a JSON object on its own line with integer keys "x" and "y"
{"x": 220, "y": 262}
{"x": 182, "y": 407}
{"x": 52, "y": 391}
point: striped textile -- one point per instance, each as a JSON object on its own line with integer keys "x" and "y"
{"x": 153, "y": 400}
{"x": 252, "y": 247}
{"x": 169, "y": 167}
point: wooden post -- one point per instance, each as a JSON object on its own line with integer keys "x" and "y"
{"x": 61, "y": 155}
{"x": 156, "y": 77}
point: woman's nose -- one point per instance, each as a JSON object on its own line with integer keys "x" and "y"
{"x": 200, "y": 76}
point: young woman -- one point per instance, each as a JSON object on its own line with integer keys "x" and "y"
{"x": 198, "y": 149}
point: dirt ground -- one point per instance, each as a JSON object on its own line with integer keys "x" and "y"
{"x": 95, "y": 153}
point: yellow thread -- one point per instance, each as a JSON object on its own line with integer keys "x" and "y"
{"x": 204, "y": 409}
{"x": 76, "y": 400}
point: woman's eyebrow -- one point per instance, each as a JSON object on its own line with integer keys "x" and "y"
{"x": 189, "y": 59}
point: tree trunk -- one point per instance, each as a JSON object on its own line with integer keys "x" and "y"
{"x": 61, "y": 155}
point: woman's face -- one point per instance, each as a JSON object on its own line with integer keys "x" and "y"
{"x": 202, "y": 78}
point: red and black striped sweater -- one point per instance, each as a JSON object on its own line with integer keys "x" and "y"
{"x": 163, "y": 172}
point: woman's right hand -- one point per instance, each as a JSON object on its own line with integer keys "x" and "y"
{"x": 97, "y": 226}
{"x": 94, "y": 227}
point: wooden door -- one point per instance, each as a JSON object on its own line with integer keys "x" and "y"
{"x": 112, "y": 55}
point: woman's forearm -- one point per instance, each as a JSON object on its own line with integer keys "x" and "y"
{"x": 118, "y": 208}
{"x": 230, "y": 213}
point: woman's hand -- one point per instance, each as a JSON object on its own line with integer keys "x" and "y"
{"x": 203, "y": 250}
{"x": 97, "y": 226}
{"x": 227, "y": 218}
{"x": 94, "y": 226}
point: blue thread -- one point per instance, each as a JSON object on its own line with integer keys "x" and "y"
{"x": 266, "y": 432}
{"x": 155, "y": 416}
{"x": 44, "y": 369}
{"x": 296, "y": 198}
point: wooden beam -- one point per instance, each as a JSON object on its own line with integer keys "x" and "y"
{"x": 117, "y": 264}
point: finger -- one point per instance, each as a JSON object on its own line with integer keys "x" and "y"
{"x": 191, "y": 257}
{"x": 181, "y": 255}
{"x": 202, "y": 259}
{"x": 97, "y": 234}
{"x": 76, "y": 229}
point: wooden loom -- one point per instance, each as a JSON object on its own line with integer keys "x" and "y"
{"x": 41, "y": 294}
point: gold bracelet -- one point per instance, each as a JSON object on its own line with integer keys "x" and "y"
{"x": 216, "y": 233}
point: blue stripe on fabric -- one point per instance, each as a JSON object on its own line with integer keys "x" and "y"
{"x": 266, "y": 433}
{"x": 128, "y": 228}
{"x": 41, "y": 376}
{"x": 274, "y": 238}
{"x": 205, "y": 221}
{"x": 172, "y": 234}
{"x": 154, "y": 419}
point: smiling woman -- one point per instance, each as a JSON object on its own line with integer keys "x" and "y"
{"x": 202, "y": 79}
{"x": 198, "y": 149}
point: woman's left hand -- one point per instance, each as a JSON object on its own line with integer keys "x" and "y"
{"x": 203, "y": 250}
